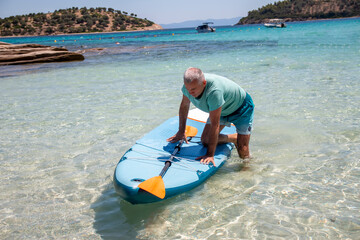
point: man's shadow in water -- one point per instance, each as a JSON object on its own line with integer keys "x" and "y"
{"x": 115, "y": 218}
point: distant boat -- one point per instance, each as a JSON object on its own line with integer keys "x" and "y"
{"x": 275, "y": 23}
{"x": 204, "y": 28}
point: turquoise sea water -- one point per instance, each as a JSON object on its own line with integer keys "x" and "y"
{"x": 64, "y": 126}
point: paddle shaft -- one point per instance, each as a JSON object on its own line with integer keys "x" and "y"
{"x": 168, "y": 162}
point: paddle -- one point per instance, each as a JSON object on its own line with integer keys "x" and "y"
{"x": 155, "y": 185}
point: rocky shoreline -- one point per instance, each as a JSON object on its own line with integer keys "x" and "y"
{"x": 14, "y": 54}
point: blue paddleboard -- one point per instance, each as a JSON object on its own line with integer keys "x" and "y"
{"x": 147, "y": 158}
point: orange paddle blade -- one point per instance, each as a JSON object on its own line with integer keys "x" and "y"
{"x": 190, "y": 131}
{"x": 155, "y": 186}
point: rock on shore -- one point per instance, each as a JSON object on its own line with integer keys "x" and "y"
{"x": 13, "y": 54}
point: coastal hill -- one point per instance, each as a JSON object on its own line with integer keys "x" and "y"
{"x": 73, "y": 20}
{"x": 303, "y": 10}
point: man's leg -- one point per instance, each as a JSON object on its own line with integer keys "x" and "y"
{"x": 223, "y": 138}
{"x": 241, "y": 141}
{"x": 243, "y": 145}
{"x": 205, "y": 135}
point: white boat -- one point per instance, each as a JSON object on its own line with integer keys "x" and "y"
{"x": 275, "y": 23}
{"x": 204, "y": 28}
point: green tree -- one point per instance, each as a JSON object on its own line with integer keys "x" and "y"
{"x": 61, "y": 27}
{"x": 55, "y": 17}
{"x": 83, "y": 10}
{"x": 6, "y": 33}
{"x": 7, "y": 25}
{"x": 80, "y": 20}
{"x": 89, "y": 23}
{"x": 15, "y": 22}
{"x": 49, "y": 30}
{"x": 16, "y": 31}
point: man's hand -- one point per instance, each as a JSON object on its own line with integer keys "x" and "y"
{"x": 177, "y": 137}
{"x": 206, "y": 160}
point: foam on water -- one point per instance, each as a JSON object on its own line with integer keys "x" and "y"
{"x": 64, "y": 126}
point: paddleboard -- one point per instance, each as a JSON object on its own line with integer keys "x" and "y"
{"x": 149, "y": 154}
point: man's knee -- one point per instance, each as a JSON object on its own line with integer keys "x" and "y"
{"x": 243, "y": 151}
{"x": 205, "y": 135}
{"x": 243, "y": 146}
{"x": 204, "y": 141}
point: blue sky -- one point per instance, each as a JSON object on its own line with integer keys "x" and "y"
{"x": 158, "y": 11}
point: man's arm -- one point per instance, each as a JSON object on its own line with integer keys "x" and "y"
{"x": 214, "y": 131}
{"x": 212, "y": 137}
{"x": 183, "y": 113}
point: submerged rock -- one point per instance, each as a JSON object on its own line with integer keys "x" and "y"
{"x": 90, "y": 50}
{"x": 12, "y": 54}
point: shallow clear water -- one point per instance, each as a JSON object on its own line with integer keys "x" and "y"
{"x": 64, "y": 126}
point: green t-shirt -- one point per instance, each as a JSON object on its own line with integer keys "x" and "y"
{"x": 219, "y": 92}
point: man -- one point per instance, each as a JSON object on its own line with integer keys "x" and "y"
{"x": 226, "y": 102}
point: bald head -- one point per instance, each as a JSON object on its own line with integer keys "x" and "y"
{"x": 194, "y": 75}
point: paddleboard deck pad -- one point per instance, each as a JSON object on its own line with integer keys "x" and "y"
{"x": 147, "y": 158}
